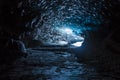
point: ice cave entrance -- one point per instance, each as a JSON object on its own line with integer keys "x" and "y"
{"x": 72, "y": 39}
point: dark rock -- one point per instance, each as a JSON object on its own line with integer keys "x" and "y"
{"x": 12, "y": 50}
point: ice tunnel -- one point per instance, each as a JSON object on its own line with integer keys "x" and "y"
{"x": 59, "y": 40}
{"x": 61, "y": 22}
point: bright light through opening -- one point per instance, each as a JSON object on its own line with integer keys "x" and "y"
{"x": 69, "y": 37}
{"x": 68, "y": 31}
{"x": 77, "y": 44}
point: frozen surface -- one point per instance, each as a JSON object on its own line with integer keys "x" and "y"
{"x": 57, "y": 20}
{"x": 46, "y": 65}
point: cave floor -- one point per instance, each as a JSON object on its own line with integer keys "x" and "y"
{"x": 49, "y": 65}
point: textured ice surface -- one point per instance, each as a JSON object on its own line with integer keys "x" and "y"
{"x": 48, "y": 16}
{"x": 45, "y": 65}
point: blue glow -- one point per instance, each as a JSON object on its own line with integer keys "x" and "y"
{"x": 64, "y": 20}
{"x": 68, "y": 31}
{"x": 72, "y": 35}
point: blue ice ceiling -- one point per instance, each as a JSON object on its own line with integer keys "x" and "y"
{"x": 52, "y": 15}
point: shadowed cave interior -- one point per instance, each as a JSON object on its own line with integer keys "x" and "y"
{"x": 59, "y": 40}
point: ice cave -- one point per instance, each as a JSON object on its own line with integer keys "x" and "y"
{"x": 59, "y": 40}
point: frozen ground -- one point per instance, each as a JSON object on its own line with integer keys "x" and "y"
{"x": 48, "y": 65}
